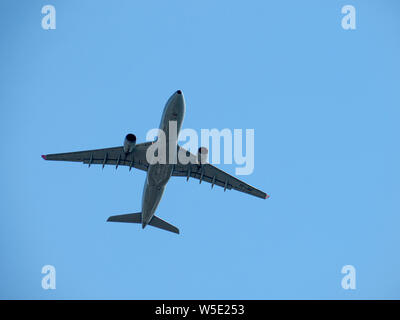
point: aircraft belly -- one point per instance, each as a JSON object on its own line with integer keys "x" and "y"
{"x": 151, "y": 198}
{"x": 159, "y": 174}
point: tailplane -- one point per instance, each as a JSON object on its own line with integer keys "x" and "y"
{"x": 161, "y": 224}
{"x": 137, "y": 218}
{"x": 130, "y": 217}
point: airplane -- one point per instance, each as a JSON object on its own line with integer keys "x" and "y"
{"x": 134, "y": 156}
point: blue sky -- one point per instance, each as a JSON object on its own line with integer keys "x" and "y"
{"x": 324, "y": 104}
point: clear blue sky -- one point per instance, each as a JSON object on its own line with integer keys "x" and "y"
{"x": 324, "y": 103}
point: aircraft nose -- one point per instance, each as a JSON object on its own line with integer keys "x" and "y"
{"x": 176, "y": 103}
{"x": 180, "y": 101}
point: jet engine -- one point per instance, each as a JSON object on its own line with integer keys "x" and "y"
{"x": 202, "y": 155}
{"x": 129, "y": 143}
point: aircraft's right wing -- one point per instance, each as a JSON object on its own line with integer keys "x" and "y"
{"x": 211, "y": 174}
{"x": 109, "y": 156}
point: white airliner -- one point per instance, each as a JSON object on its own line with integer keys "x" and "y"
{"x": 134, "y": 155}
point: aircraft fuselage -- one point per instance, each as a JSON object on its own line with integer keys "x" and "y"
{"x": 158, "y": 174}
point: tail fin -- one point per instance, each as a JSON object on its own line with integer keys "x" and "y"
{"x": 137, "y": 218}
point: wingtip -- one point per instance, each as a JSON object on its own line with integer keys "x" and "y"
{"x": 267, "y": 196}
{"x": 44, "y": 157}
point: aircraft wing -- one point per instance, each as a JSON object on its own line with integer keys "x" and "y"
{"x": 109, "y": 156}
{"x": 211, "y": 174}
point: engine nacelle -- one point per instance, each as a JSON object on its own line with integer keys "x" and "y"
{"x": 202, "y": 155}
{"x": 129, "y": 143}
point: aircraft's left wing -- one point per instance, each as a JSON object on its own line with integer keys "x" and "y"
{"x": 109, "y": 156}
{"x": 209, "y": 173}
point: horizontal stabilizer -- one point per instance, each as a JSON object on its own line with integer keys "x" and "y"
{"x": 160, "y": 223}
{"x": 137, "y": 218}
{"x": 130, "y": 218}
